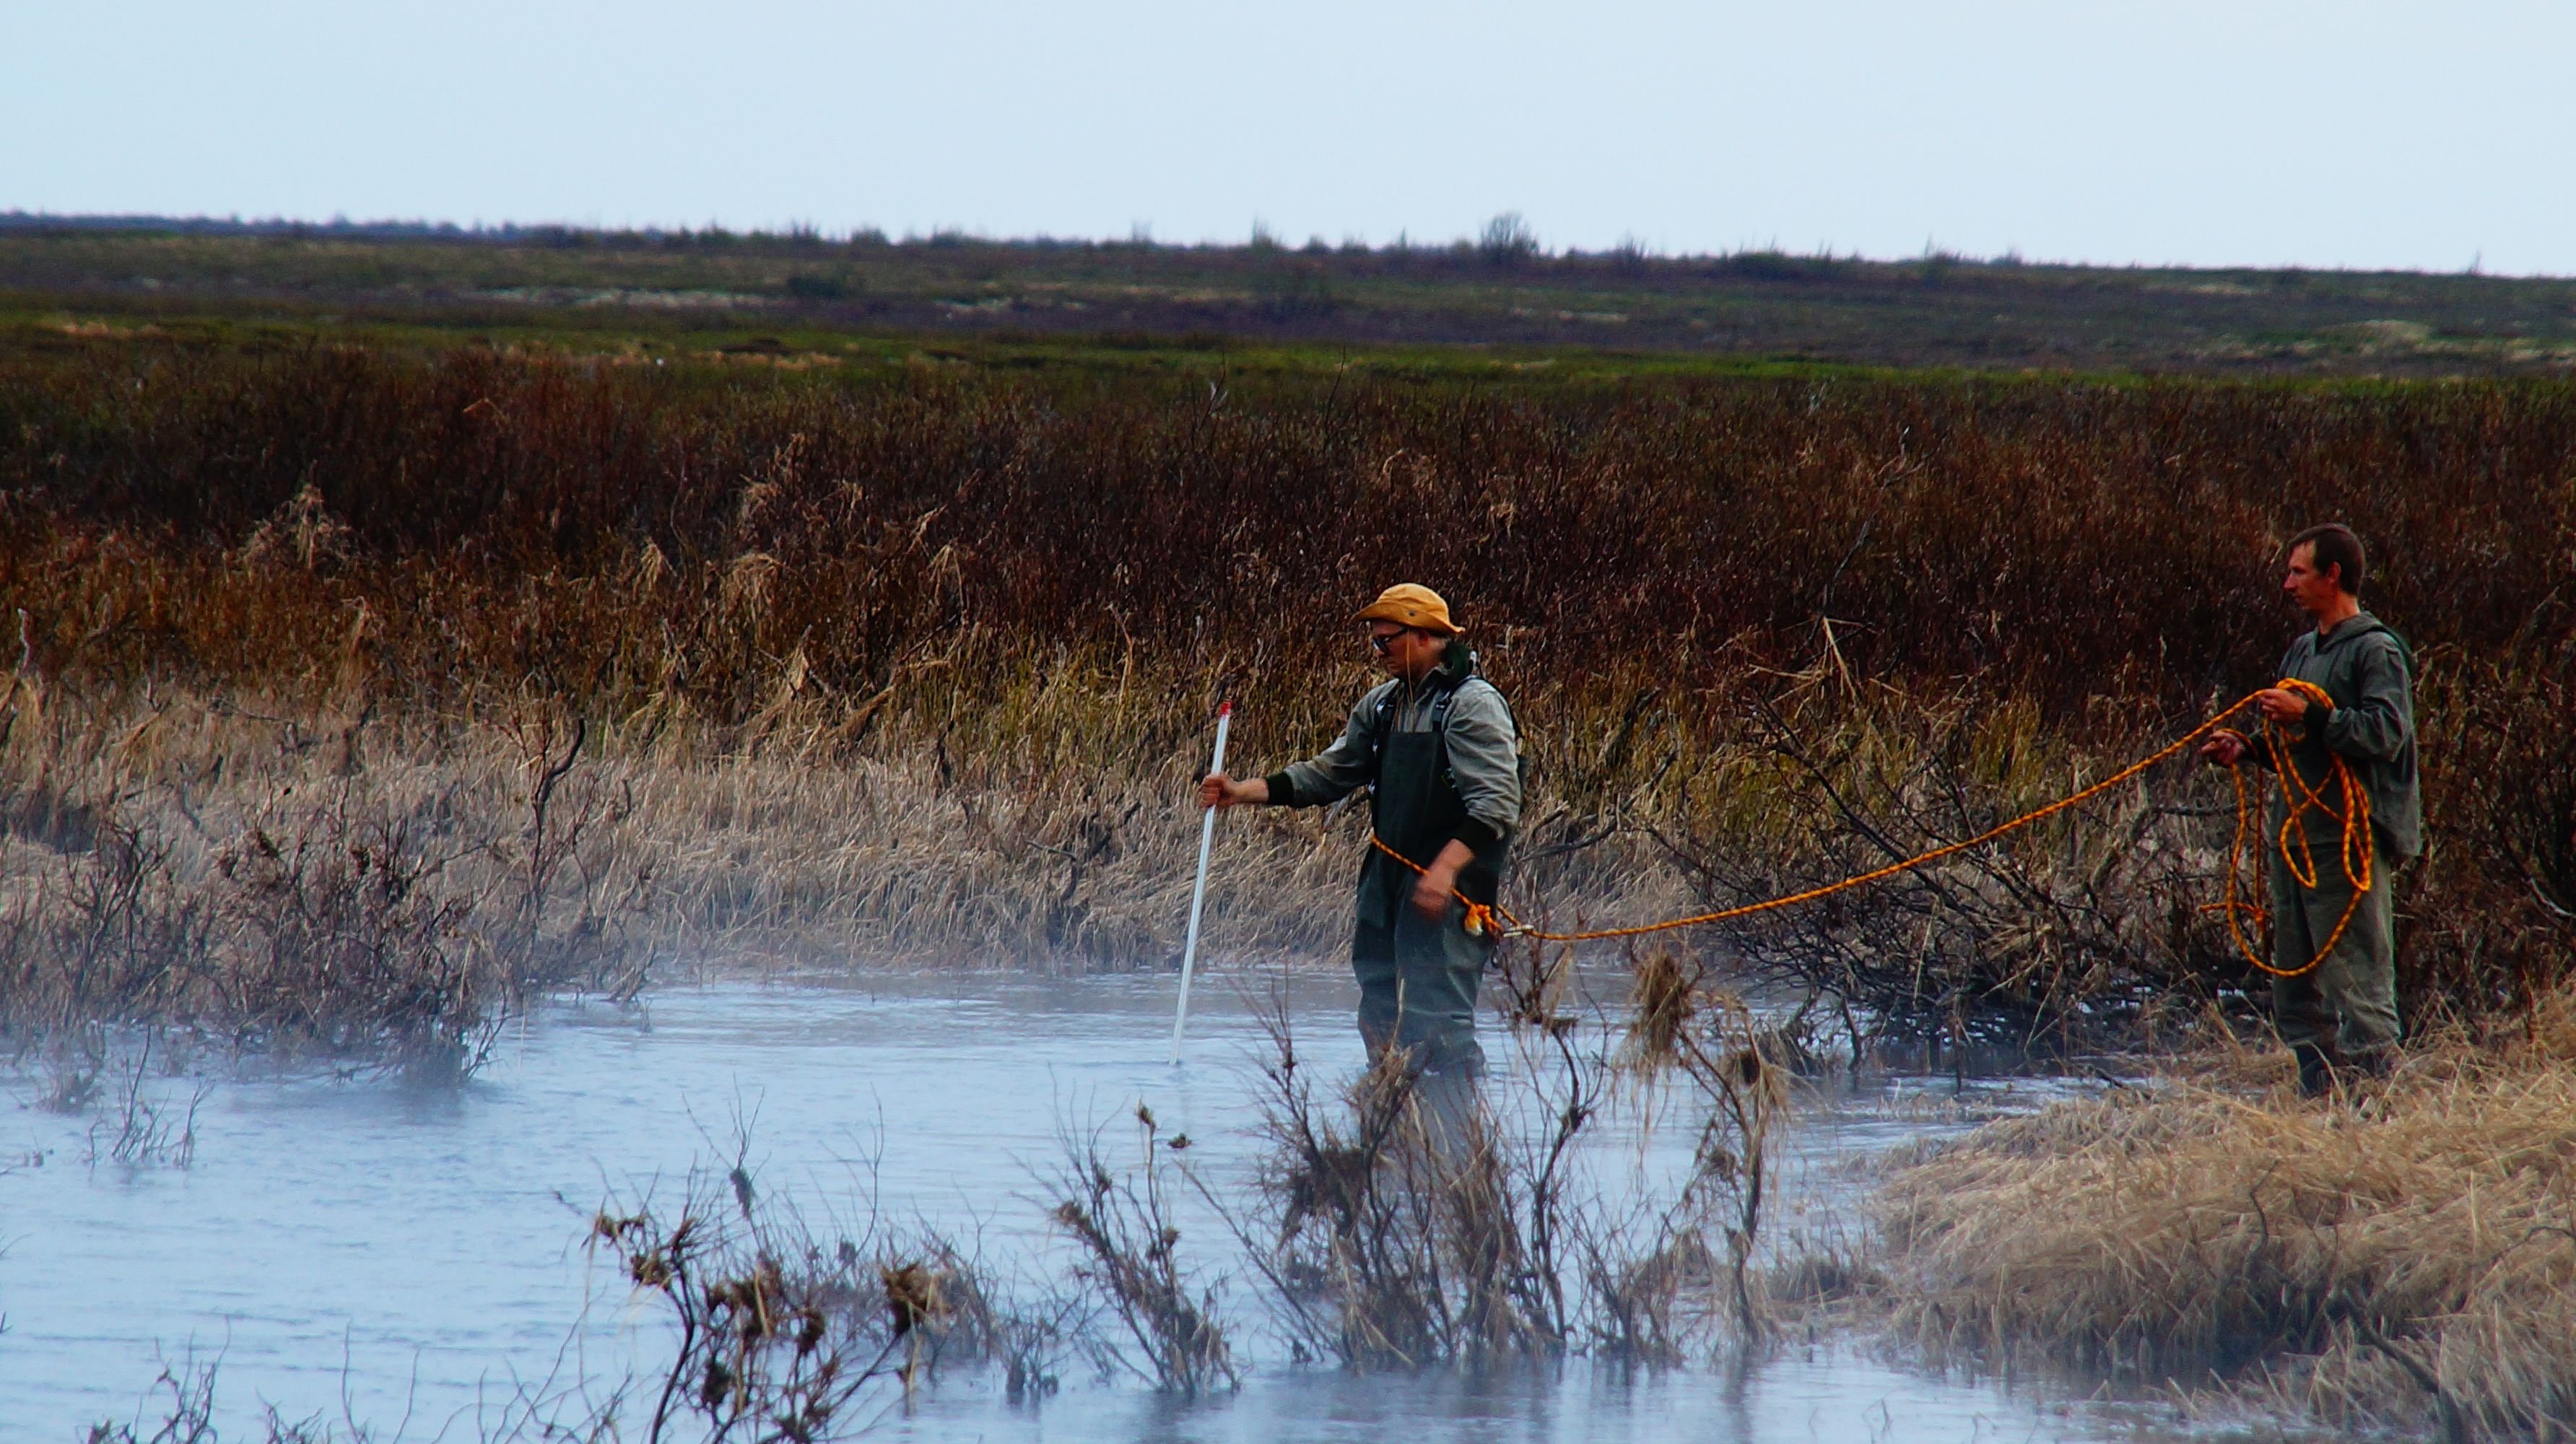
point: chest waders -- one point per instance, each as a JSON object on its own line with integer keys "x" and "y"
{"x": 1418, "y": 976}
{"x": 2343, "y": 1010}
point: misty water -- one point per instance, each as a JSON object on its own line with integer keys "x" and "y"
{"x": 409, "y": 1256}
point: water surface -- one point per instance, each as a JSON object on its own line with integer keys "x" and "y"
{"x": 351, "y": 1245}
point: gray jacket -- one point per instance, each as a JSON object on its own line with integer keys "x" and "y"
{"x": 1484, "y": 752}
{"x": 2365, "y": 669}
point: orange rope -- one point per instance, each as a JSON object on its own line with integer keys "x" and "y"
{"x": 2354, "y": 817}
{"x": 2353, "y": 820}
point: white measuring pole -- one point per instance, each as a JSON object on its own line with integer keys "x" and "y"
{"x": 1198, "y": 891}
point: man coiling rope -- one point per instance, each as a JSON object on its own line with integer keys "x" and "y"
{"x": 2341, "y": 732}
{"x": 2352, "y": 817}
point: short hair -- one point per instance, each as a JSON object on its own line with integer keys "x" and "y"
{"x": 2336, "y": 547}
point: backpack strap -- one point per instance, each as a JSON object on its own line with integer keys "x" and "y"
{"x": 1384, "y": 727}
{"x": 1381, "y": 730}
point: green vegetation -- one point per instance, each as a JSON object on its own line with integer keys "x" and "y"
{"x": 867, "y": 298}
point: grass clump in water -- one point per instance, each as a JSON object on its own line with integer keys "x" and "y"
{"x": 1418, "y": 1226}
{"x": 2401, "y": 1255}
{"x": 1131, "y": 1261}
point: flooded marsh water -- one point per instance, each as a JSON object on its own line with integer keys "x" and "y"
{"x": 357, "y": 1247}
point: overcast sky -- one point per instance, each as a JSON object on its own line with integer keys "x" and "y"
{"x": 2358, "y": 133}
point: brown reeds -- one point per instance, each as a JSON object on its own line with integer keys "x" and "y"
{"x": 507, "y": 517}
{"x": 1424, "y": 1222}
{"x": 240, "y": 876}
{"x": 1681, "y": 1025}
{"x": 1757, "y": 632}
{"x": 781, "y": 1331}
{"x": 1397, "y": 1232}
{"x": 2398, "y": 1255}
{"x": 775, "y": 1329}
{"x": 144, "y": 1129}
{"x": 1122, "y": 1221}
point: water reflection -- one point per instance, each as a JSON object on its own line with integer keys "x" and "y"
{"x": 405, "y": 1252}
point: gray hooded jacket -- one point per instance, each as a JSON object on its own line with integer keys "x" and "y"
{"x": 2363, "y": 666}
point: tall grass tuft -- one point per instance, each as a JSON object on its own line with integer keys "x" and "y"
{"x": 257, "y": 879}
{"x": 1411, "y": 1226}
{"x": 2398, "y": 1256}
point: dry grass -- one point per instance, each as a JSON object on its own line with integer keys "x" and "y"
{"x": 363, "y": 878}
{"x": 781, "y": 1330}
{"x": 1121, "y": 1220}
{"x": 277, "y": 874}
{"x": 326, "y": 882}
{"x": 1393, "y": 1238}
{"x": 2403, "y": 1255}
{"x": 920, "y": 667}
{"x": 776, "y": 1330}
{"x": 1408, "y": 1228}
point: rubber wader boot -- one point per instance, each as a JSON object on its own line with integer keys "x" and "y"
{"x": 1450, "y": 1111}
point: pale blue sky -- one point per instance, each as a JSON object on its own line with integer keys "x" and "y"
{"x": 2354, "y": 134}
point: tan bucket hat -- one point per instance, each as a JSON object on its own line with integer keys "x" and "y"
{"x": 1412, "y": 606}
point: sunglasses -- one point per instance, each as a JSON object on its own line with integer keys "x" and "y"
{"x": 1380, "y": 641}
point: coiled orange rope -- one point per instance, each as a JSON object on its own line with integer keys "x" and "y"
{"x": 2353, "y": 817}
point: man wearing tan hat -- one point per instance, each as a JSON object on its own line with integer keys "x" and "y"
{"x": 1438, "y": 745}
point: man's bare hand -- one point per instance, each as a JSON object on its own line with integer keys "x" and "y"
{"x": 1431, "y": 892}
{"x": 2224, "y": 749}
{"x": 2280, "y": 704}
{"x": 1439, "y": 882}
{"x": 1219, "y": 790}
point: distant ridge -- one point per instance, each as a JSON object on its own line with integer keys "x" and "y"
{"x": 340, "y": 226}
{"x": 1500, "y": 288}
